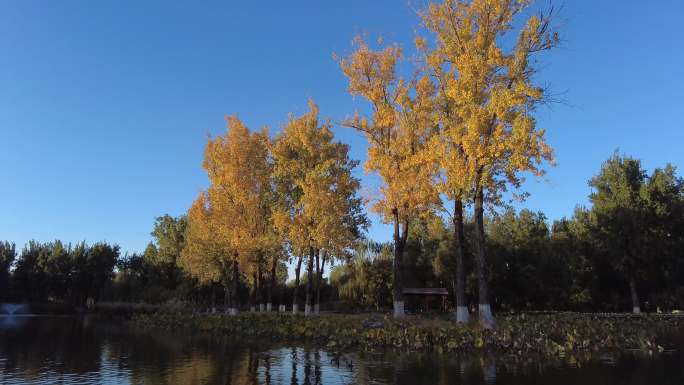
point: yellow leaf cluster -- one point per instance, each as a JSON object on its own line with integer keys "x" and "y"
{"x": 485, "y": 99}
{"x": 233, "y": 218}
{"x": 398, "y": 131}
{"x": 315, "y": 185}
{"x": 204, "y": 254}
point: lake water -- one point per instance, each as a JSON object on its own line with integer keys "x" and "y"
{"x": 87, "y": 350}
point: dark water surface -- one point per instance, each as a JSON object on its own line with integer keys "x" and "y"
{"x": 87, "y": 350}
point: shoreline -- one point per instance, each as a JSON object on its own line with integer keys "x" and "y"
{"x": 555, "y": 335}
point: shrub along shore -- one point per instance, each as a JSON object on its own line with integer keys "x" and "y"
{"x": 559, "y": 335}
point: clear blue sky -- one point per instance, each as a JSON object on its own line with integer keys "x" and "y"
{"x": 105, "y": 105}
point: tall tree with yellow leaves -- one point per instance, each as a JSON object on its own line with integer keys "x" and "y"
{"x": 398, "y": 131}
{"x": 486, "y": 99}
{"x": 318, "y": 207}
{"x": 206, "y": 256}
{"x": 235, "y": 214}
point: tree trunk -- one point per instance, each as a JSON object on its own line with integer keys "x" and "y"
{"x": 271, "y": 286}
{"x": 319, "y": 282}
{"x": 226, "y": 295}
{"x": 234, "y": 299}
{"x": 260, "y": 288}
{"x": 253, "y": 295}
{"x": 295, "y": 302}
{"x": 484, "y": 308}
{"x": 462, "y": 315}
{"x": 636, "y": 309}
{"x": 397, "y": 284}
{"x": 309, "y": 283}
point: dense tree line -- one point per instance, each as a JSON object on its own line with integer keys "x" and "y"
{"x": 578, "y": 263}
{"x": 55, "y": 271}
{"x": 70, "y": 274}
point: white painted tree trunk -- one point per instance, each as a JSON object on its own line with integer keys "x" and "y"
{"x": 269, "y": 306}
{"x": 462, "y": 315}
{"x": 307, "y": 310}
{"x": 486, "y": 316}
{"x": 295, "y": 308}
{"x": 636, "y": 309}
{"x": 399, "y": 309}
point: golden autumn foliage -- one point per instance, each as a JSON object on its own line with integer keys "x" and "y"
{"x": 240, "y": 191}
{"x": 232, "y": 219}
{"x": 315, "y": 185}
{"x": 400, "y": 126}
{"x": 205, "y": 256}
{"x": 298, "y": 188}
{"x": 486, "y": 96}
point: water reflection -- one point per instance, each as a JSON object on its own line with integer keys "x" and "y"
{"x": 86, "y": 350}
{"x": 11, "y": 321}
{"x": 13, "y": 309}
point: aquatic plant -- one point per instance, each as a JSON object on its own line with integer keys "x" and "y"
{"x": 557, "y": 334}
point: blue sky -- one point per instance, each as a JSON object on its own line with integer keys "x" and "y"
{"x": 105, "y": 106}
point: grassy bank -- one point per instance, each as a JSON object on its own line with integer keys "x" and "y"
{"x": 554, "y": 334}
